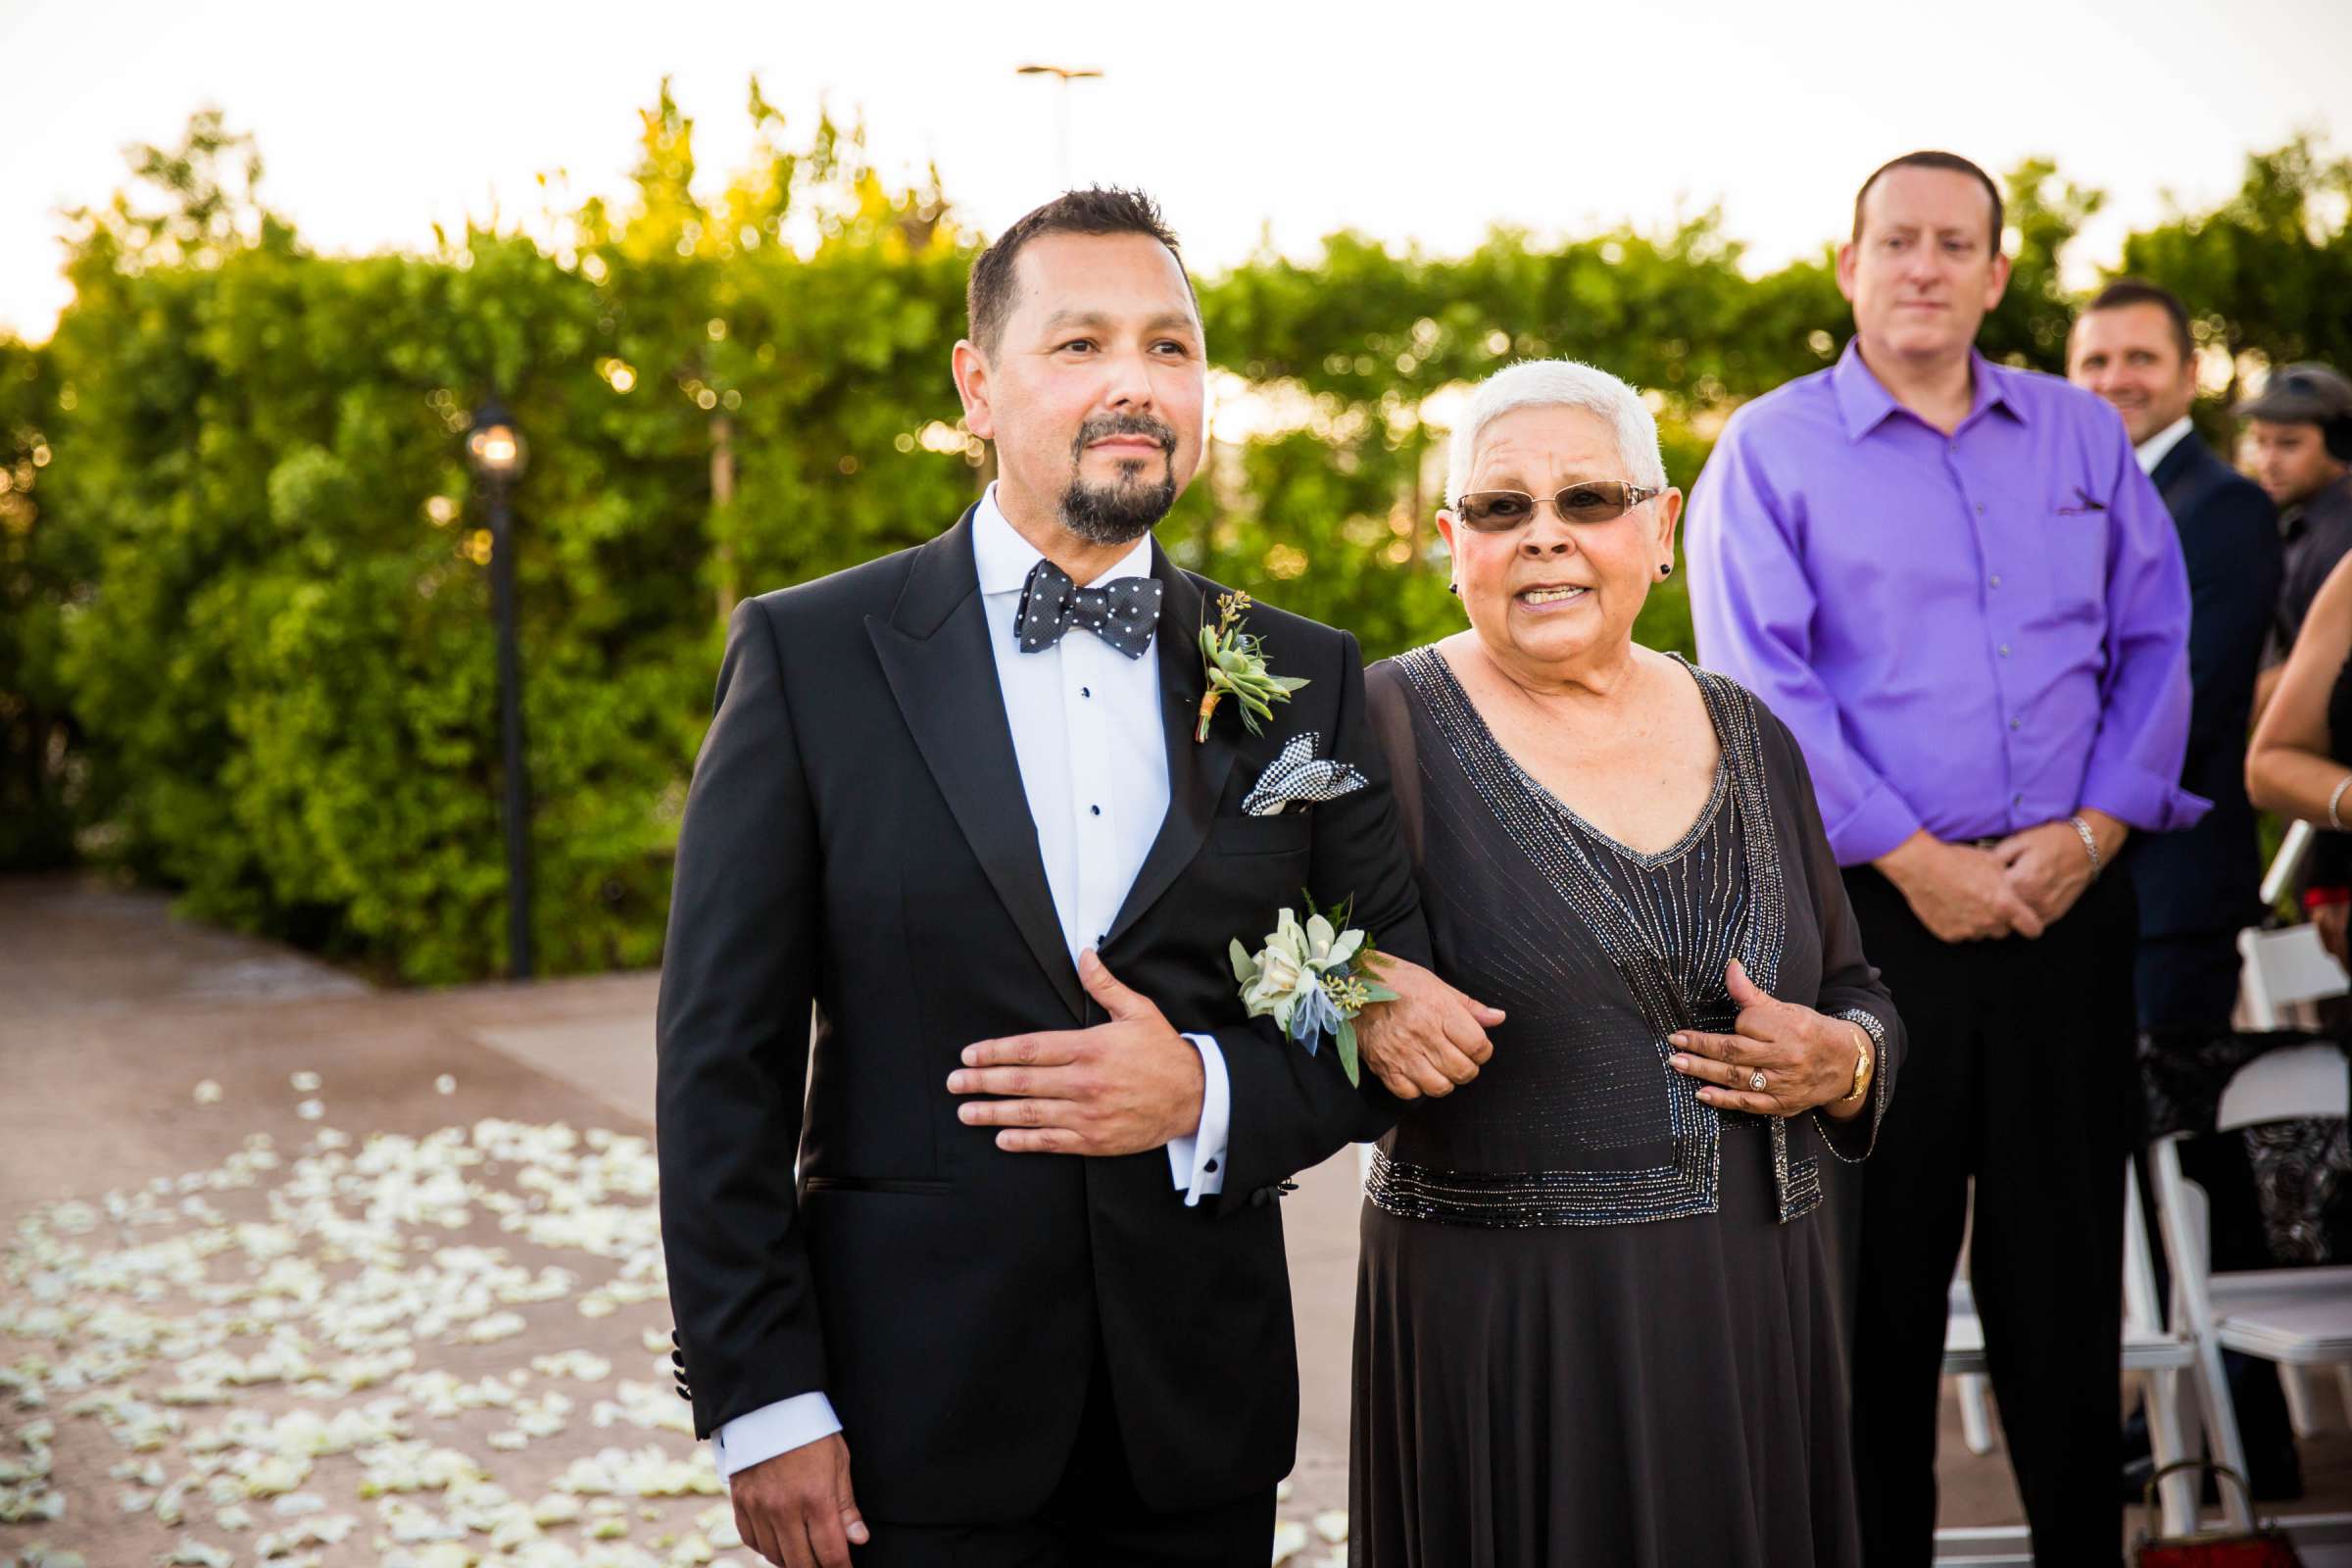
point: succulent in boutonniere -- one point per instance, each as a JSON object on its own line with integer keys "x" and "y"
{"x": 1236, "y": 669}
{"x": 1311, "y": 980}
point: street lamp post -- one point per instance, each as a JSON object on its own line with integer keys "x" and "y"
{"x": 1064, "y": 74}
{"x": 495, "y": 449}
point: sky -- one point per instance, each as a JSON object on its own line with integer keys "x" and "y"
{"x": 1271, "y": 121}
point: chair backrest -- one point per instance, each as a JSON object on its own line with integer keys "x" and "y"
{"x": 2289, "y": 861}
{"x": 2281, "y": 1085}
{"x": 2286, "y": 967}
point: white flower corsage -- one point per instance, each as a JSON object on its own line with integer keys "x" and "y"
{"x": 1310, "y": 979}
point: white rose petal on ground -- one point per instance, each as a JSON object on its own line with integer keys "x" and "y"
{"x": 208, "y": 1093}
{"x": 1332, "y": 1525}
{"x": 310, "y": 1111}
{"x": 446, "y": 1084}
{"x": 1290, "y": 1539}
{"x": 304, "y": 1083}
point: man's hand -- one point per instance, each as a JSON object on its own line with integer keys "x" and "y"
{"x": 2047, "y": 865}
{"x": 1430, "y": 1040}
{"x": 796, "y": 1510}
{"x": 1960, "y": 893}
{"x": 1119, "y": 1087}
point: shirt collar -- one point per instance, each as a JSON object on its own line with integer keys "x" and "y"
{"x": 1005, "y": 559}
{"x": 2156, "y": 447}
{"x": 1863, "y": 401}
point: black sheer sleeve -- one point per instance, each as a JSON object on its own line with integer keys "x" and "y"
{"x": 1390, "y": 709}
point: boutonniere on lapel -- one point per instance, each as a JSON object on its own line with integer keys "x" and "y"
{"x": 1311, "y": 980}
{"x": 1237, "y": 667}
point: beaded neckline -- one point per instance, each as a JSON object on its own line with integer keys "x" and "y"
{"x": 1717, "y": 793}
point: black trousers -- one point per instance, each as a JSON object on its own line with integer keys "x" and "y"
{"x": 1094, "y": 1519}
{"x": 2019, "y": 1078}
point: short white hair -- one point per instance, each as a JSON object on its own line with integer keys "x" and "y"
{"x": 1559, "y": 384}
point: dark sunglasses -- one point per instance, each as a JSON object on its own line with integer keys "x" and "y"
{"x": 1584, "y": 501}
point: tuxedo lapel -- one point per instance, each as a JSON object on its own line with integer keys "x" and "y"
{"x": 2177, "y": 467}
{"x": 1196, "y": 770}
{"x": 935, "y": 653}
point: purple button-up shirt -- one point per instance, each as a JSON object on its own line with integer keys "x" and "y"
{"x": 1971, "y": 633}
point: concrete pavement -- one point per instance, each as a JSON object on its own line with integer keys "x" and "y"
{"x": 112, "y": 1018}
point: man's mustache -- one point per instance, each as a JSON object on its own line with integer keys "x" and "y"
{"x": 1094, "y": 430}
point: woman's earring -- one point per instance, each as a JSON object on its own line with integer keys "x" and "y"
{"x": 1454, "y": 588}
{"x": 1665, "y": 569}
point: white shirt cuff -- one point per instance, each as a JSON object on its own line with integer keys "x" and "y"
{"x": 771, "y": 1430}
{"x": 1196, "y": 1163}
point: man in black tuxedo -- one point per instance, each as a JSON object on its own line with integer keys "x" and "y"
{"x": 2198, "y": 888}
{"x": 1031, "y": 1270}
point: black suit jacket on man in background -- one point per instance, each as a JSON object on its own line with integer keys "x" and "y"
{"x": 858, "y": 835}
{"x": 2198, "y": 887}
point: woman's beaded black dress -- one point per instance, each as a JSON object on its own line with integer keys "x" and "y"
{"x": 1597, "y": 1321}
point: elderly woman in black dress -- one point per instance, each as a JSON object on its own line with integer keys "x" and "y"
{"x": 1599, "y": 1317}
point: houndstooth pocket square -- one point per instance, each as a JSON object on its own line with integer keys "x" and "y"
{"x": 1295, "y": 775}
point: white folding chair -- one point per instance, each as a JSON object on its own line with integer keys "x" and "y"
{"x": 2154, "y": 1359}
{"x": 2298, "y": 1318}
{"x": 2282, "y": 969}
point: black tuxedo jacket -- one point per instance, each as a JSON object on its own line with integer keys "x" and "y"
{"x": 857, "y": 836}
{"x": 2207, "y": 879}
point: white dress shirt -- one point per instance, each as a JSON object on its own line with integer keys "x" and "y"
{"x": 1094, "y": 755}
{"x": 2156, "y": 447}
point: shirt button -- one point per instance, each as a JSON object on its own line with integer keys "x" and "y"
{"x": 1996, "y": 580}
{"x": 1088, "y": 690}
{"x": 1097, "y": 810}
{"x": 2017, "y": 800}
{"x": 2017, "y": 723}
{"x": 2004, "y": 650}
{"x": 1979, "y": 508}
{"x": 1212, "y": 1165}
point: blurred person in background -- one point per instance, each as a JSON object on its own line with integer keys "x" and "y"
{"x": 1600, "y": 1312}
{"x": 1954, "y": 583}
{"x": 2199, "y": 887}
{"x": 2298, "y": 447}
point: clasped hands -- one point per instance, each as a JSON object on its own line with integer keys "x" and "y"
{"x": 2019, "y": 886}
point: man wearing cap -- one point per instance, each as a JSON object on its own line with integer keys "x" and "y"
{"x": 1953, "y": 583}
{"x": 2298, "y": 445}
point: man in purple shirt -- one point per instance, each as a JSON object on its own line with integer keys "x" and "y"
{"x": 1955, "y": 585}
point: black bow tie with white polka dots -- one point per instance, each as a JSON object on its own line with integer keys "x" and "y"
{"x": 1123, "y": 613}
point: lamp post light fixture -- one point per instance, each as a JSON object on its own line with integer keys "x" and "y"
{"x": 495, "y": 447}
{"x": 1064, "y": 76}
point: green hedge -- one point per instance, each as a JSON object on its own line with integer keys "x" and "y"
{"x": 246, "y": 648}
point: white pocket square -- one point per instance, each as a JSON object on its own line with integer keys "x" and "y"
{"x": 1295, "y": 775}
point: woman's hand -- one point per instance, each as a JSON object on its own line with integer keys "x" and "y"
{"x": 1807, "y": 1060}
{"x": 1430, "y": 1040}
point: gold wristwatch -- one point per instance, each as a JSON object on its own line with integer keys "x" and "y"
{"x": 1865, "y": 1069}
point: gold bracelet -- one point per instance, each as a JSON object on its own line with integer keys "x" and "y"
{"x": 1862, "y": 1063}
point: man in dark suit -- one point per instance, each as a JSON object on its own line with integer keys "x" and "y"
{"x": 2196, "y": 888}
{"x": 2199, "y": 887}
{"x": 1031, "y": 1267}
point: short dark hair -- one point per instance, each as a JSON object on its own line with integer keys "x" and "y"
{"x": 1950, "y": 163}
{"x": 1098, "y": 210}
{"x": 2126, "y": 291}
